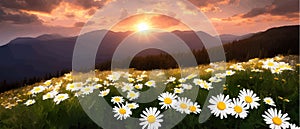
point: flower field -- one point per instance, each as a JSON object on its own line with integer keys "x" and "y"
{"x": 260, "y": 93}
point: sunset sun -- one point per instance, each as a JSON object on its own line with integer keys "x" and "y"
{"x": 142, "y": 26}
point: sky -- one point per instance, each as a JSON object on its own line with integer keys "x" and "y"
{"x": 31, "y": 18}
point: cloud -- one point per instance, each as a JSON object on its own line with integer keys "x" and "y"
{"x": 18, "y": 17}
{"x": 287, "y": 8}
{"x": 87, "y": 4}
{"x": 79, "y": 24}
{"x": 31, "y": 5}
{"x": 212, "y": 5}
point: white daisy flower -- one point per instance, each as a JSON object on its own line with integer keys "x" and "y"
{"x": 37, "y": 89}
{"x": 269, "y": 64}
{"x": 130, "y": 79}
{"x": 182, "y": 80}
{"x": 178, "y": 90}
{"x": 214, "y": 79}
{"x": 237, "y": 67}
{"x": 269, "y": 101}
{"x": 275, "y": 119}
{"x": 29, "y": 102}
{"x": 115, "y": 76}
{"x": 194, "y": 108}
{"x": 139, "y": 78}
{"x": 48, "y": 83}
{"x": 206, "y": 85}
{"x": 171, "y": 79}
{"x": 117, "y": 100}
{"x": 294, "y": 126}
{"x": 122, "y": 112}
{"x": 167, "y": 100}
{"x": 198, "y": 82}
{"x": 182, "y": 105}
{"x": 220, "y": 75}
{"x": 131, "y": 95}
{"x": 187, "y": 86}
{"x": 284, "y": 66}
{"x": 138, "y": 86}
{"x": 151, "y": 118}
{"x": 229, "y": 72}
{"x": 97, "y": 86}
{"x": 209, "y": 70}
{"x": 74, "y": 86}
{"x": 104, "y": 92}
{"x": 238, "y": 108}
{"x": 60, "y": 97}
{"x": 50, "y": 95}
{"x": 132, "y": 105}
{"x": 87, "y": 90}
{"x": 150, "y": 83}
{"x": 127, "y": 87}
{"x": 250, "y": 98}
{"x": 220, "y": 105}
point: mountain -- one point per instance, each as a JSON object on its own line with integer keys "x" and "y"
{"x": 227, "y": 38}
{"x": 27, "y": 57}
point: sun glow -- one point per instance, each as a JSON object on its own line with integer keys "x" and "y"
{"x": 142, "y": 26}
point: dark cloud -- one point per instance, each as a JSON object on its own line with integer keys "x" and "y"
{"x": 18, "y": 17}
{"x": 204, "y": 3}
{"x": 86, "y": 4}
{"x": 79, "y": 24}
{"x": 287, "y": 8}
{"x": 31, "y": 5}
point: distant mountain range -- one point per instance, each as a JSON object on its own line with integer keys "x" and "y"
{"x": 28, "y": 57}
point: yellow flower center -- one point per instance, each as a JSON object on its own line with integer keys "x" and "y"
{"x": 277, "y": 121}
{"x": 238, "y": 109}
{"x": 151, "y": 119}
{"x": 248, "y": 99}
{"x": 268, "y": 101}
{"x": 132, "y": 95}
{"x": 37, "y": 89}
{"x": 183, "y": 105}
{"x": 221, "y": 105}
{"x": 168, "y": 101}
{"x": 117, "y": 99}
{"x": 122, "y": 111}
{"x": 61, "y": 97}
{"x": 130, "y": 106}
{"x": 270, "y": 64}
{"x": 193, "y": 108}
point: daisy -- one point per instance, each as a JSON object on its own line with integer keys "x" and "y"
{"x": 138, "y": 86}
{"x": 132, "y": 105}
{"x": 74, "y": 86}
{"x": 127, "y": 87}
{"x": 47, "y": 83}
{"x": 151, "y": 118}
{"x": 269, "y": 101}
{"x": 220, "y": 75}
{"x": 294, "y": 126}
{"x": 206, "y": 85}
{"x": 238, "y": 108}
{"x": 29, "y": 102}
{"x": 87, "y": 90}
{"x": 167, "y": 100}
{"x": 209, "y": 70}
{"x": 229, "y": 73}
{"x": 237, "y": 67}
{"x": 131, "y": 95}
{"x": 104, "y": 92}
{"x": 115, "y": 76}
{"x": 49, "y": 95}
{"x": 182, "y": 80}
{"x": 117, "y": 100}
{"x": 214, "y": 79}
{"x": 194, "y": 108}
{"x": 187, "y": 86}
{"x": 150, "y": 83}
{"x": 250, "y": 98}
{"x": 37, "y": 89}
{"x": 269, "y": 64}
{"x": 275, "y": 119}
{"x": 220, "y": 105}
{"x": 60, "y": 97}
{"x": 198, "y": 82}
{"x": 182, "y": 105}
{"x": 97, "y": 86}
{"x": 178, "y": 90}
{"x": 171, "y": 79}
{"x": 130, "y": 79}
{"x": 121, "y": 112}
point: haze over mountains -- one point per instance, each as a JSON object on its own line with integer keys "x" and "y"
{"x": 28, "y": 57}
